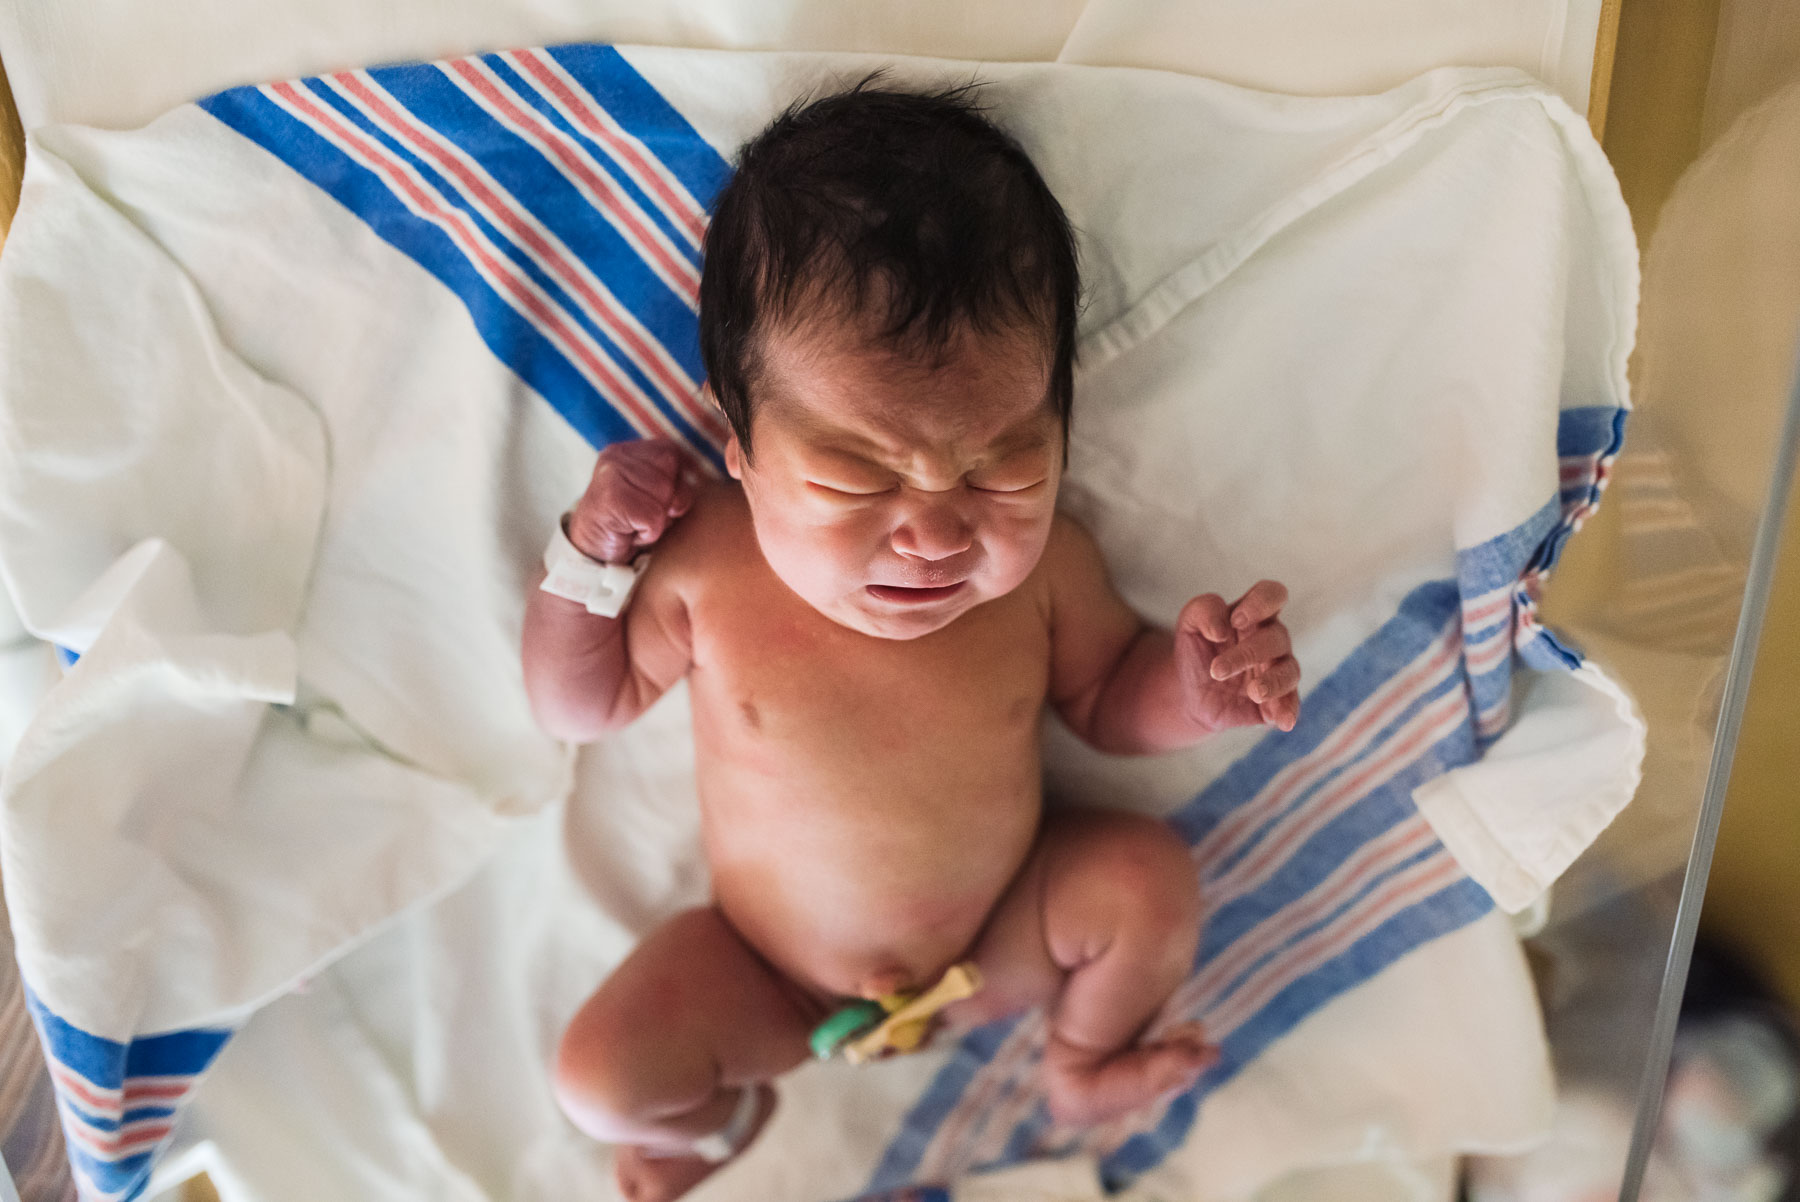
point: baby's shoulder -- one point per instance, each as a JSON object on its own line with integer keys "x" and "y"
{"x": 708, "y": 538}
{"x": 1070, "y": 548}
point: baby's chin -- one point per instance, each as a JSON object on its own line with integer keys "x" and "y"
{"x": 869, "y": 615}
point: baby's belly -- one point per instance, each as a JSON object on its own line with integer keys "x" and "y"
{"x": 838, "y": 891}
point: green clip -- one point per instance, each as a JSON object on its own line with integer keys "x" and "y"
{"x": 843, "y": 1026}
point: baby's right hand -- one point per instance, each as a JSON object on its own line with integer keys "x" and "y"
{"x": 638, "y": 489}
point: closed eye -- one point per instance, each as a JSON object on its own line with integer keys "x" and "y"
{"x": 1008, "y": 488}
{"x": 838, "y": 490}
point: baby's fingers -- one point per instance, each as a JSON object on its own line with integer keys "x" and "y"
{"x": 1273, "y": 681}
{"x": 1260, "y": 649}
{"x": 1207, "y": 614}
{"x": 687, "y": 484}
{"x": 1262, "y": 602}
{"x": 1283, "y": 713}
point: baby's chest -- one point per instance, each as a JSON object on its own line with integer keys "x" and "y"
{"x": 799, "y": 675}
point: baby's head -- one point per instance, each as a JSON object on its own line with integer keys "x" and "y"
{"x": 887, "y": 319}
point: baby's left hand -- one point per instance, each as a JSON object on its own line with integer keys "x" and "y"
{"x": 1234, "y": 660}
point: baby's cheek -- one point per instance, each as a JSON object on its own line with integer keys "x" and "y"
{"x": 1016, "y": 555}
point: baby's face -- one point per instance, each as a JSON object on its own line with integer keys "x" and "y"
{"x": 894, "y": 496}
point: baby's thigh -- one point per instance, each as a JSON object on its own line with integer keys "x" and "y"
{"x": 692, "y": 1008}
{"x": 1094, "y": 877}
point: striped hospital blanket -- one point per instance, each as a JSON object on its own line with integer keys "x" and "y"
{"x": 560, "y": 196}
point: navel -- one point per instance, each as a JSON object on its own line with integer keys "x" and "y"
{"x": 752, "y": 718}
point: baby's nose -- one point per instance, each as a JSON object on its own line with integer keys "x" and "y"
{"x": 934, "y": 532}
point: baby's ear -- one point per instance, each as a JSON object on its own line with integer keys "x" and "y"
{"x": 734, "y": 459}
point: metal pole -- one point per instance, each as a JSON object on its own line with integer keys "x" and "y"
{"x": 1731, "y": 713}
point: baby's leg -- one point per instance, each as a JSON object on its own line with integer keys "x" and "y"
{"x": 1104, "y": 919}
{"x": 673, "y": 1047}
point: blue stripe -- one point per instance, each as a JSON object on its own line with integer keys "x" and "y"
{"x": 614, "y": 263}
{"x": 535, "y": 184}
{"x": 641, "y": 110}
{"x": 1475, "y": 636}
{"x": 527, "y": 90}
{"x": 1340, "y": 907}
{"x": 107, "y": 1062}
{"x": 628, "y": 266}
{"x": 1550, "y": 652}
{"x": 1305, "y": 798}
{"x": 1591, "y": 430}
{"x": 128, "y": 1177}
{"x": 1420, "y": 620}
{"x": 101, "y": 1122}
{"x": 512, "y": 337}
{"x": 1488, "y": 690}
{"x": 110, "y": 1064}
{"x": 906, "y": 1149}
{"x": 1501, "y": 560}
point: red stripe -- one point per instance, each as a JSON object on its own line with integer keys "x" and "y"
{"x": 617, "y": 204}
{"x": 1398, "y": 697}
{"x": 116, "y": 1145}
{"x": 621, "y": 394}
{"x": 78, "y": 1086}
{"x": 1577, "y": 470}
{"x": 1371, "y": 857}
{"x": 1490, "y": 654}
{"x": 617, "y": 324}
{"x": 673, "y": 202}
{"x": 645, "y": 240}
{"x": 1489, "y": 609}
{"x": 135, "y": 1091}
{"x": 108, "y": 1101}
{"x": 508, "y": 217}
{"x": 978, "y": 1101}
{"x": 1278, "y": 974}
{"x": 1436, "y": 716}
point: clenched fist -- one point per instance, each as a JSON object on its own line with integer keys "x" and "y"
{"x": 637, "y": 490}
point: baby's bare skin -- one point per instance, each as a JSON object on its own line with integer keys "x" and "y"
{"x": 872, "y": 618}
{"x": 864, "y": 801}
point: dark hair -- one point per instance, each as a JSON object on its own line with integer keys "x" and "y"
{"x": 910, "y": 208}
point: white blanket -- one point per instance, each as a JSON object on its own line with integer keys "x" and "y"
{"x": 295, "y": 380}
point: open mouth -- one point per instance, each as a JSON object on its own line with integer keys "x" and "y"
{"x": 901, "y": 595}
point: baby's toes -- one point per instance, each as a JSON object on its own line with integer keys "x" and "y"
{"x": 1084, "y": 1089}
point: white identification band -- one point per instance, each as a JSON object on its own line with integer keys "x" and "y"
{"x": 730, "y": 1139}
{"x": 603, "y": 588}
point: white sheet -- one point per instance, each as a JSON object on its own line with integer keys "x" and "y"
{"x": 121, "y": 62}
{"x": 278, "y": 431}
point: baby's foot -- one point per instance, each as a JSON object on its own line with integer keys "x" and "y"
{"x": 648, "y": 1175}
{"x": 1085, "y": 1087}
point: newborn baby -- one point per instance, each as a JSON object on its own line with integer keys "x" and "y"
{"x": 872, "y": 615}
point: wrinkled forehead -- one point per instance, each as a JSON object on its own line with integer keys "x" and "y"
{"x": 837, "y": 381}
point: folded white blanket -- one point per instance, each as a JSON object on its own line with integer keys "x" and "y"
{"x": 296, "y": 379}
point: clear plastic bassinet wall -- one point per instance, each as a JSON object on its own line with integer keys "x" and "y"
{"x": 1670, "y": 587}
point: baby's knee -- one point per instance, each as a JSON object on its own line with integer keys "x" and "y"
{"x": 1147, "y": 874}
{"x": 613, "y": 1075}
{"x": 594, "y": 1084}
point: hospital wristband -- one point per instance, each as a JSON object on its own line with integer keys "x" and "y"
{"x": 602, "y": 588}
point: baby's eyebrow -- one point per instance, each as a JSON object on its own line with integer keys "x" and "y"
{"x": 1030, "y": 435}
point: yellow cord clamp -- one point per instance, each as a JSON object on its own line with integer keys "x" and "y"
{"x": 894, "y": 1023}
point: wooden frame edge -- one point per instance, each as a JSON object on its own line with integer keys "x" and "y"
{"x": 12, "y": 155}
{"x": 1606, "y": 45}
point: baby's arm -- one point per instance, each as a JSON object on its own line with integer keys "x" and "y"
{"x": 586, "y": 674}
{"x": 1128, "y": 687}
